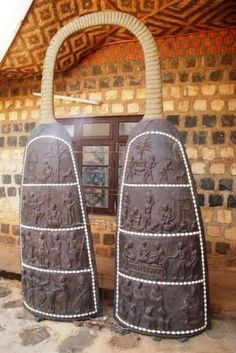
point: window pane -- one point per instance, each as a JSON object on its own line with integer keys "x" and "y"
{"x": 120, "y": 175}
{"x": 96, "y": 198}
{"x": 100, "y": 129}
{"x": 121, "y": 155}
{"x": 70, "y": 129}
{"x": 96, "y": 155}
{"x": 126, "y": 128}
{"x": 95, "y": 176}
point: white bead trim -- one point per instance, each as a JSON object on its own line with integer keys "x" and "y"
{"x": 158, "y": 185}
{"x": 51, "y": 184}
{"x": 171, "y": 333}
{"x": 197, "y": 219}
{"x": 164, "y": 283}
{"x": 57, "y": 315}
{"x": 142, "y": 234}
{"x": 52, "y": 229}
{"x": 94, "y": 291}
{"x": 54, "y": 271}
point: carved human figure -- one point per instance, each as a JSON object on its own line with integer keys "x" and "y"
{"x": 42, "y": 250}
{"x": 67, "y": 175}
{"x": 81, "y": 301}
{"x": 55, "y": 251}
{"x": 165, "y": 168}
{"x": 74, "y": 251}
{"x": 167, "y": 222}
{"x": 133, "y": 314}
{"x": 125, "y": 207}
{"x": 30, "y": 289}
{"x": 131, "y": 169}
{"x": 134, "y": 221}
{"x": 149, "y": 202}
{"x": 181, "y": 176}
{"x": 181, "y": 256}
{"x": 149, "y": 165}
{"x": 193, "y": 261}
{"x": 139, "y": 294}
{"x": 191, "y": 307}
{"x": 69, "y": 204}
{"x": 25, "y": 207}
{"x": 158, "y": 257}
{"x": 62, "y": 296}
{"x": 126, "y": 289}
{"x": 35, "y": 207}
{"x": 52, "y": 291}
{"x": 48, "y": 174}
{"x": 149, "y": 319}
{"x": 53, "y": 217}
{"x": 129, "y": 251}
{"x": 161, "y": 314}
{"x": 31, "y": 165}
{"x": 41, "y": 298}
{"x": 144, "y": 252}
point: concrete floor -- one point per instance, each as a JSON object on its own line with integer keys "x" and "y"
{"x": 20, "y": 333}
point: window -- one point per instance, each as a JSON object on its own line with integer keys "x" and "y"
{"x": 99, "y": 144}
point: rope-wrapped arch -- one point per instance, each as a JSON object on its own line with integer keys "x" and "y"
{"x": 138, "y": 29}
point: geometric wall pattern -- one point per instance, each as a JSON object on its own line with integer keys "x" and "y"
{"x": 163, "y": 18}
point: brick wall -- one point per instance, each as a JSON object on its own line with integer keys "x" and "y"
{"x": 199, "y": 98}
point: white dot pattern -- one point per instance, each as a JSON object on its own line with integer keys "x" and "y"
{"x": 199, "y": 232}
{"x": 84, "y": 226}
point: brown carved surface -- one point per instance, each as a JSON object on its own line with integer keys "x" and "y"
{"x": 159, "y": 306}
{"x": 161, "y": 283}
{"x": 59, "y": 272}
{"x": 58, "y": 294}
{"x": 163, "y": 18}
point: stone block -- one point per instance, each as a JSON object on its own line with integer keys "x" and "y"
{"x": 231, "y": 202}
{"x": 200, "y": 137}
{"x": 209, "y": 120}
{"x": 117, "y": 108}
{"x": 168, "y": 105}
{"x": 222, "y": 248}
{"x": 208, "y": 153}
{"x": 217, "y": 168}
{"x": 111, "y": 95}
{"x": 198, "y": 168}
{"x": 232, "y": 104}
{"x": 200, "y": 104}
{"x": 225, "y": 184}
{"x": 230, "y": 233}
{"x": 216, "y": 75}
{"x": 213, "y": 231}
{"x": 133, "y": 108}
{"x": 173, "y": 119}
{"x": 192, "y": 152}
{"x": 232, "y": 75}
{"x": 217, "y": 104}
{"x": 108, "y": 239}
{"x": 168, "y": 77}
{"x": 175, "y": 92}
{"x": 140, "y": 93}
{"x": 228, "y": 120}
{"x": 224, "y": 216}
{"x": 207, "y": 214}
{"x": 208, "y": 90}
{"x": 215, "y": 200}
{"x": 226, "y": 89}
{"x": 233, "y": 136}
{"x": 13, "y": 115}
{"x": 227, "y": 153}
{"x": 233, "y": 169}
{"x": 183, "y": 76}
{"x": 183, "y": 106}
{"x": 191, "y": 90}
{"x": 198, "y": 76}
{"x": 127, "y": 94}
{"x": 218, "y": 137}
{"x": 207, "y": 184}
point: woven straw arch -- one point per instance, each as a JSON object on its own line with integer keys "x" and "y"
{"x": 138, "y": 29}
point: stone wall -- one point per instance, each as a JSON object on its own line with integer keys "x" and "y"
{"x": 198, "y": 74}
